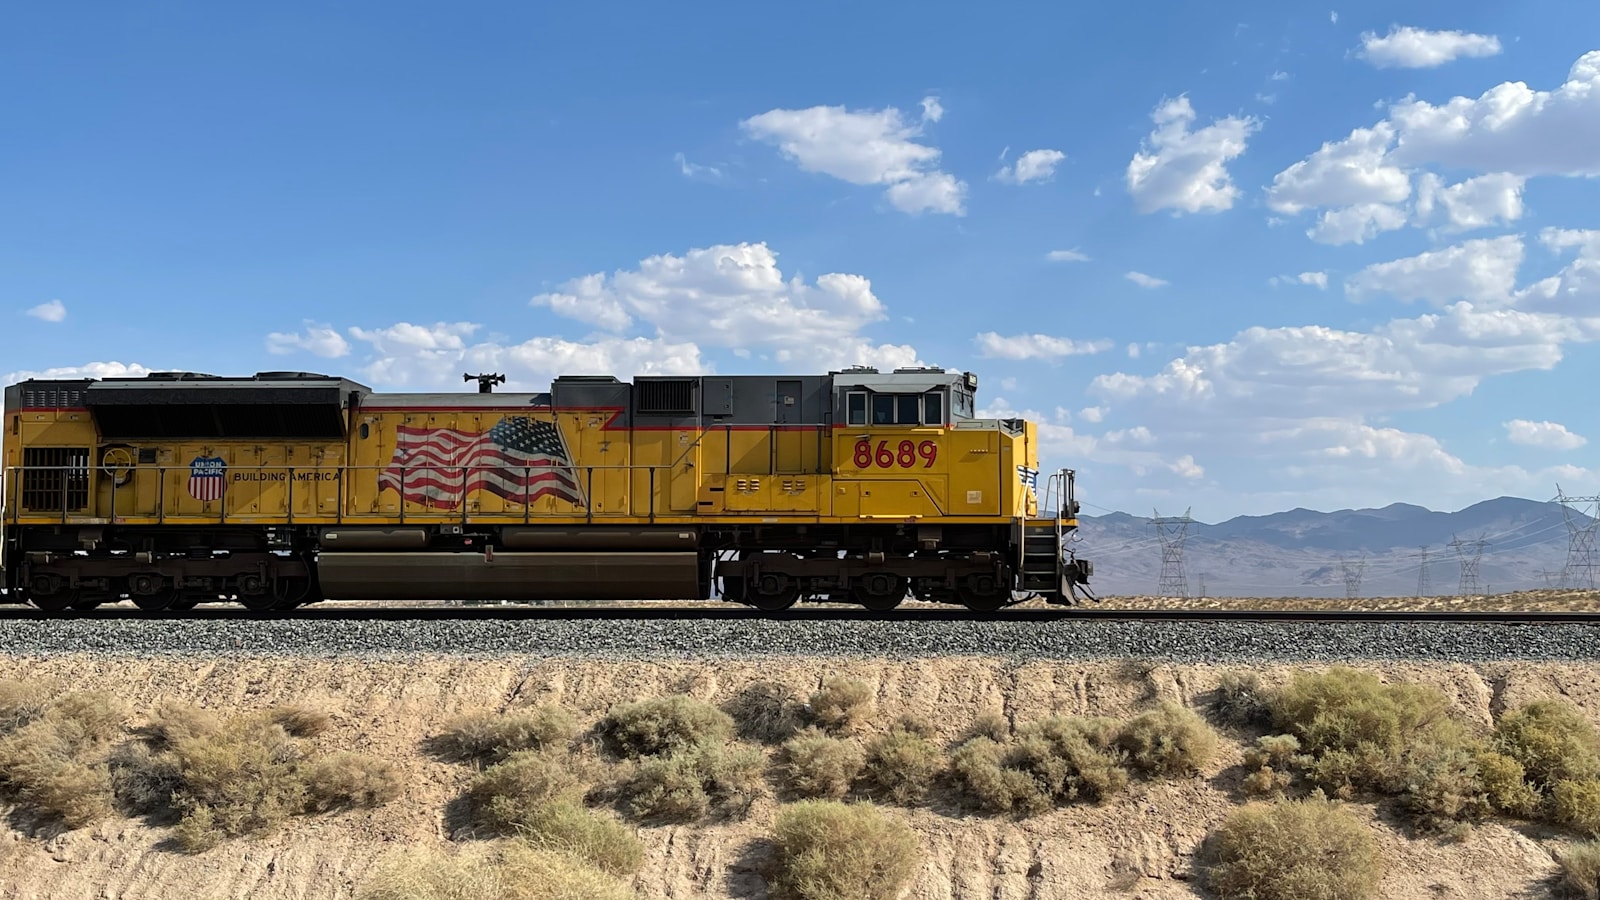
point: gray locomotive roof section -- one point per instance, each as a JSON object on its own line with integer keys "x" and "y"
{"x": 899, "y": 382}
{"x": 467, "y": 399}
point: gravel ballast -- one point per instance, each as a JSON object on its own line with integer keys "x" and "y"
{"x": 688, "y": 639}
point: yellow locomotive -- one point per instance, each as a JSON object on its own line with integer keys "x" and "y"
{"x": 286, "y": 488}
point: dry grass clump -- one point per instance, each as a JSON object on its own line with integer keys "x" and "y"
{"x": 1580, "y": 870}
{"x": 509, "y": 870}
{"x": 817, "y": 766}
{"x": 492, "y": 737}
{"x": 900, "y": 766}
{"x": 664, "y": 725}
{"x": 1064, "y": 760}
{"x": 1053, "y": 761}
{"x": 1170, "y": 740}
{"x": 1310, "y": 849}
{"x": 767, "y": 712}
{"x": 688, "y": 784}
{"x": 248, "y": 774}
{"x": 1241, "y": 701}
{"x": 828, "y": 850}
{"x": 842, "y": 706}
{"x": 537, "y": 796}
{"x": 53, "y": 751}
{"x": 1358, "y": 734}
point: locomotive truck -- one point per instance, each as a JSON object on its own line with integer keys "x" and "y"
{"x": 281, "y": 489}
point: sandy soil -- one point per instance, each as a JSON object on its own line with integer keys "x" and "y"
{"x": 1140, "y": 845}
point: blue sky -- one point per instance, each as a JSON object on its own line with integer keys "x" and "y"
{"x": 1354, "y": 262}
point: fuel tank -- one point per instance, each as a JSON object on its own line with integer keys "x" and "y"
{"x": 509, "y": 576}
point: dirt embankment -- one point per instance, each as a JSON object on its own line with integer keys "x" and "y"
{"x": 1140, "y": 844}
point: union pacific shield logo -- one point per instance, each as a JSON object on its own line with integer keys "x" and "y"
{"x": 206, "y": 477}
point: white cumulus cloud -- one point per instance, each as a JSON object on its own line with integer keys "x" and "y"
{"x": 1035, "y": 346}
{"x": 1035, "y": 165}
{"x": 1545, "y": 435}
{"x": 1184, "y": 170}
{"x": 1407, "y": 47}
{"x": 1318, "y": 280}
{"x": 1501, "y": 138}
{"x": 1073, "y": 255}
{"x": 49, "y": 311}
{"x": 1145, "y": 281}
{"x": 110, "y": 369}
{"x": 866, "y": 147}
{"x": 1484, "y": 271}
{"x": 317, "y": 339}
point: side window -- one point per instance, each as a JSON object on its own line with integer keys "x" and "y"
{"x": 909, "y": 410}
{"x": 933, "y": 408}
{"x": 883, "y": 409}
{"x": 856, "y": 408}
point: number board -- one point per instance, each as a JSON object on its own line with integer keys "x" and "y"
{"x": 890, "y": 454}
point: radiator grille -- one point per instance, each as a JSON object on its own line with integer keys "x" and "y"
{"x": 52, "y": 476}
{"x": 666, "y": 397}
{"x": 52, "y": 397}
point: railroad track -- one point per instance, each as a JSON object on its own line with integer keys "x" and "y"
{"x": 819, "y": 614}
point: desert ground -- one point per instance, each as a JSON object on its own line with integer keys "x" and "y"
{"x": 1140, "y": 844}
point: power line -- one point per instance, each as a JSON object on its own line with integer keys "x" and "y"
{"x": 1424, "y": 588}
{"x": 1352, "y": 576}
{"x": 1469, "y": 564}
{"x": 1581, "y": 562}
{"x": 1172, "y": 531}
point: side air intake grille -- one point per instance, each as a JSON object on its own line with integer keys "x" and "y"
{"x": 660, "y": 398}
{"x": 55, "y": 479}
{"x": 56, "y": 397}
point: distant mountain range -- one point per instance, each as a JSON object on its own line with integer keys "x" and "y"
{"x": 1305, "y": 553}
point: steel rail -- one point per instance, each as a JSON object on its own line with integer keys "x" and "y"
{"x": 646, "y": 613}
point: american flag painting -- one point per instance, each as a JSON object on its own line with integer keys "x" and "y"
{"x": 519, "y": 459}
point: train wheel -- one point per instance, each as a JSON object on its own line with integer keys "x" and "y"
{"x": 160, "y": 600}
{"x": 982, "y": 593}
{"x": 879, "y": 593}
{"x": 56, "y": 601}
{"x": 774, "y": 593}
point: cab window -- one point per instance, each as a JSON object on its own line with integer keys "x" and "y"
{"x": 908, "y": 409}
{"x": 933, "y": 408}
{"x": 883, "y": 409}
{"x": 856, "y": 408}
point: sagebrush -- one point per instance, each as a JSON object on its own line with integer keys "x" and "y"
{"x": 1308, "y": 849}
{"x": 829, "y": 850}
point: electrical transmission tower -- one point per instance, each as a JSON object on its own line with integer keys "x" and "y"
{"x": 1352, "y": 576}
{"x": 1581, "y": 561}
{"x": 1172, "y": 530}
{"x": 1423, "y": 585}
{"x": 1469, "y": 563}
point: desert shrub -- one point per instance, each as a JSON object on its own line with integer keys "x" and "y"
{"x": 842, "y": 706}
{"x": 664, "y": 725}
{"x": 815, "y": 765}
{"x": 513, "y": 790}
{"x": 828, "y": 850}
{"x": 911, "y": 723}
{"x": 1580, "y": 869}
{"x": 1053, "y": 761}
{"x": 492, "y": 737}
{"x": 22, "y": 702}
{"x": 1360, "y": 734}
{"x": 990, "y": 725}
{"x": 900, "y": 766}
{"x": 1552, "y": 740}
{"x": 1169, "y": 740}
{"x": 53, "y": 758}
{"x": 691, "y": 783}
{"x": 350, "y": 781}
{"x": 1575, "y": 804}
{"x": 174, "y": 721}
{"x": 1270, "y": 762}
{"x": 508, "y": 870}
{"x": 767, "y": 712}
{"x": 1311, "y": 849}
{"x": 245, "y": 775}
{"x": 602, "y": 842}
{"x": 298, "y": 721}
{"x": 1241, "y": 700}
